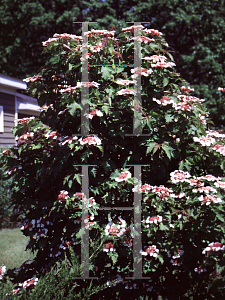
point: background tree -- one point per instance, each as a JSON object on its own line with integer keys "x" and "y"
{"x": 194, "y": 30}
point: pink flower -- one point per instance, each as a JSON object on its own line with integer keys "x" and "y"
{"x": 132, "y": 28}
{"x": 207, "y": 200}
{"x": 205, "y": 189}
{"x": 45, "y": 107}
{"x": 150, "y": 250}
{"x": 216, "y": 134}
{"x": 220, "y": 184}
{"x": 213, "y": 247}
{"x": 91, "y": 202}
{"x": 126, "y": 92}
{"x": 63, "y": 195}
{"x": 63, "y": 36}
{"x": 163, "y": 65}
{"x": 70, "y": 89}
{"x": 143, "y": 188}
{"x": 202, "y": 119}
{"x": 89, "y": 224}
{"x": 50, "y": 40}
{"x": 209, "y": 177}
{"x": 105, "y": 33}
{"x": 191, "y": 99}
{"x": 88, "y": 84}
{"x": 2, "y": 271}
{"x": 182, "y": 106}
{"x": 179, "y": 176}
{"x": 163, "y": 101}
{"x": 116, "y": 229}
{"x": 25, "y": 120}
{"x": 90, "y": 140}
{"x": 94, "y": 112}
{"x": 33, "y": 79}
{"x": 152, "y": 32}
{"x": 123, "y": 176}
{"x": 96, "y": 48}
{"x": 155, "y": 58}
{"x": 219, "y": 148}
{"x": 140, "y": 71}
{"x": 142, "y": 39}
{"x": 195, "y": 182}
{"x": 69, "y": 140}
{"x": 30, "y": 282}
{"x": 6, "y": 152}
{"x": 177, "y": 195}
{"x": 185, "y": 89}
{"x": 25, "y": 138}
{"x": 162, "y": 191}
{"x": 85, "y": 56}
{"x": 221, "y": 89}
{"x": 156, "y": 220}
{"x": 52, "y": 135}
{"x": 125, "y": 82}
{"x": 67, "y": 36}
{"x": 204, "y": 141}
{"x": 79, "y": 195}
{"x": 109, "y": 247}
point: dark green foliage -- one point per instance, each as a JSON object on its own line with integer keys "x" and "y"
{"x": 177, "y": 221}
{"x": 6, "y": 211}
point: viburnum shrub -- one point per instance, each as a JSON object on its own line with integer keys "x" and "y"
{"x": 182, "y": 214}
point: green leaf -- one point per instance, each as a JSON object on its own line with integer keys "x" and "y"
{"x": 156, "y": 148}
{"x": 73, "y": 107}
{"x": 77, "y": 177}
{"x": 150, "y": 147}
{"x": 160, "y": 258}
{"x": 106, "y": 74}
{"x": 55, "y": 59}
{"x": 105, "y": 108}
{"x": 114, "y": 256}
{"x": 168, "y": 150}
{"x": 165, "y": 81}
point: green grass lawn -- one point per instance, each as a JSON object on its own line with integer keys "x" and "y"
{"x": 12, "y": 248}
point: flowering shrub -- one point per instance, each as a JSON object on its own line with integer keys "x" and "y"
{"x": 182, "y": 206}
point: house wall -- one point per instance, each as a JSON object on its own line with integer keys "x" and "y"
{"x": 8, "y": 102}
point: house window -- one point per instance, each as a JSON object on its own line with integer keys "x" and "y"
{"x": 1, "y": 119}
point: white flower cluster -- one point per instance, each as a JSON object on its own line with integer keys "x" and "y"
{"x": 142, "y": 188}
{"x": 179, "y": 176}
{"x": 153, "y": 220}
{"x": 2, "y": 271}
{"x": 90, "y": 140}
{"x": 213, "y": 247}
{"x": 123, "y": 176}
{"x": 115, "y": 229}
{"x": 150, "y": 250}
{"x": 24, "y": 285}
{"x": 140, "y": 71}
{"x": 92, "y": 113}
